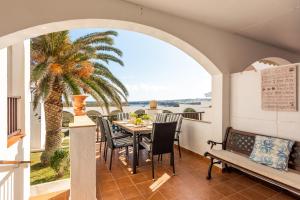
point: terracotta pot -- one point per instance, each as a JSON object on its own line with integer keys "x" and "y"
{"x": 79, "y": 104}
{"x": 153, "y": 104}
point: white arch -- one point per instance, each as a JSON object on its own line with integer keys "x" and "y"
{"x": 105, "y": 23}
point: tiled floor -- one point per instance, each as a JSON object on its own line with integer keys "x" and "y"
{"x": 189, "y": 182}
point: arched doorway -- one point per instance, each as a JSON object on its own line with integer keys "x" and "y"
{"x": 267, "y": 63}
{"x": 187, "y": 48}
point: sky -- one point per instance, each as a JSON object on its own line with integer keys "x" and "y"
{"x": 155, "y": 69}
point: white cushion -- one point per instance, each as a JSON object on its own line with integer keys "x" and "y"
{"x": 271, "y": 151}
{"x": 290, "y": 177}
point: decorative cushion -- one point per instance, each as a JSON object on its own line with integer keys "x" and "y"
{"x": 273, "y": 152}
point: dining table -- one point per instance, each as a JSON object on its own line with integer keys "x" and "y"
{"x": 135, "y": 130}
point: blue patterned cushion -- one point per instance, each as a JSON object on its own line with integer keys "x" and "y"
{"x": 273, "y": 152}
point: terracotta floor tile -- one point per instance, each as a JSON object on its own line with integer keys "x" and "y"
{"x": 108, "y": 186}
{"x": 252, "y": 194}
{"x": 145, "y": 189}
{"x": 210, "y": 194}
{"x": 157, "y": 196}
{"x": 124, "y": 182}
{"x": 130, "y": 192}
{"x": 236, "y": 196}
{"x": 265, "y": 191}
{"x": 138, "y": 178}
{"x": 224, "y": 189}
{"x": 235, "y": 185}
{"x": 112, "y": 195}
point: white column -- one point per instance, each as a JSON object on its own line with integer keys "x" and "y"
{"x": 38, "y": 127}
{"x": 3, "y": 99}
{"x": 83, "y": 159}
{"x": 220, "y": 105}
{"x": 26, "y": 104}
{"x": 20, "y": 86}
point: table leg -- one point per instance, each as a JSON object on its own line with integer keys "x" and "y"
{"x": 134, "y": 154}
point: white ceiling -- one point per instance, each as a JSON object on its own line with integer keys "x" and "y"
{"x": 276, "y": 22}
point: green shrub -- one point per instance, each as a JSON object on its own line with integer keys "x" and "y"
{"x": 60, "y": 162}
{"x": 189, "y": 110}
{"x": 167, "y": 111}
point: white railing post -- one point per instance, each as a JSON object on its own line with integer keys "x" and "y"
{"x": 83, "y": 158}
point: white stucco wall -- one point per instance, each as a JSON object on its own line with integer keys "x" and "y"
{"x": 14, "y": 182}
{"x": 246, "y": 112}
{"x": 195, "y": 134}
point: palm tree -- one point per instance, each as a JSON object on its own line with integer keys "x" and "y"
{"x": 61, "y": 67}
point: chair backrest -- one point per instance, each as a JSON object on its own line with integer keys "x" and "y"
{"x": 163, "y": 137}
{"x": 161, "y": 117}
{"x": 119, "y": 117}
{"x": 107, "y": 130}
{"x": 125, "y": 116}
{"x": 122, "y": 116}
{"x": 175, "y": 118}
{"x": 100, "y": 128}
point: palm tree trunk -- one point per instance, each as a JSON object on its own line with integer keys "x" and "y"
{"x": 53, "y": 115}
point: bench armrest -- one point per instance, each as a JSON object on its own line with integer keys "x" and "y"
{"x": 213, "y": 143}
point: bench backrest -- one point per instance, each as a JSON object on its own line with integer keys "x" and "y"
{"x": 242, "y": 142}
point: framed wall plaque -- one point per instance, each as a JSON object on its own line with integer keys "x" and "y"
{"x": 279, "y": 88}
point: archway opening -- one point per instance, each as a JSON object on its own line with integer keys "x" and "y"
{"x": 187, "y": 48}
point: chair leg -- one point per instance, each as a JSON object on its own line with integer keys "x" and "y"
{"x": 138, "y": 155}
{"x": 152, "y": 163}
{"x": 127, "y": 151}
{"x": 111, "y": 156}
{"x": 159, "y": 157}
{"x": 179, "y": 148}
{"x": 173, "y": 162}
{"x": 100, "y": 147}
{"x": 138, "y": 150}
{"x": 210, "y": 168}
{"x": 105, "y": 149}
{"x": 227, "y": 168}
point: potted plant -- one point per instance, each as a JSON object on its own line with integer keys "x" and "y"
{"x": 79, "y": 104}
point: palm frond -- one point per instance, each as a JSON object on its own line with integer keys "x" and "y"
{"x": 109, "y": 48}
{"x": 98, "y": 90}
{"x": 71, "y": 83}
{"x": 38, "y": 72}
{"x": 105, "y": 72}
{"x": 108, "y": 57}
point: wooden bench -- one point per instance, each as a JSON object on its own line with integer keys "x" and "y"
{"x": 236, "y": 149}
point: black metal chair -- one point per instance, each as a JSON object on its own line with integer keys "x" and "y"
{"x": 115, "y": 134}
{"x": 101, "y": 133}
{"x": 176, "y": 118}
{"x": 114, "y": 142}
{"x": 162, "y": 142}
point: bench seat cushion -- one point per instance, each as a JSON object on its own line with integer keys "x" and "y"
{"x": 290, "y": 178}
